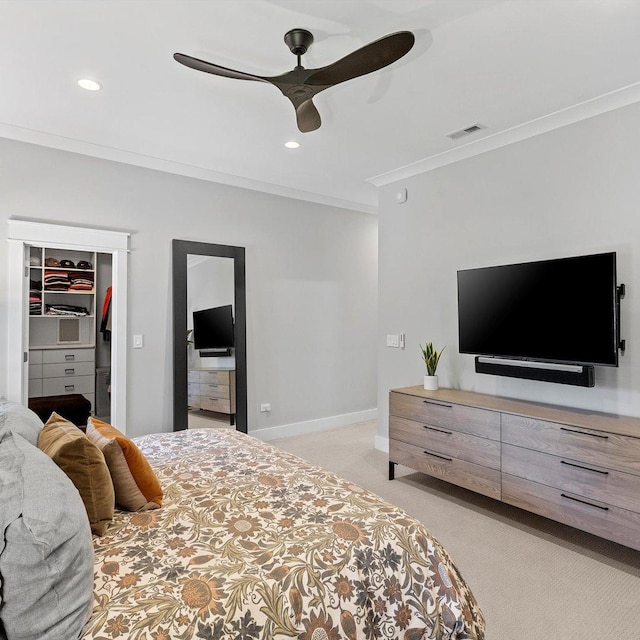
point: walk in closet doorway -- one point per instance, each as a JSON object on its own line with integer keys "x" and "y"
{"x": 83, "y": 257}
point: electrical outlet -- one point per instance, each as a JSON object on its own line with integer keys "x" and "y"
{"x": 266, "y": 406}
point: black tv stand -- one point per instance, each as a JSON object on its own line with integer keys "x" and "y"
{"x": 576, "y": 375}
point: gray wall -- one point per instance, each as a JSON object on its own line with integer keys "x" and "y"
{"x": 311, "y": 279}
{"x": 568, "y": 192}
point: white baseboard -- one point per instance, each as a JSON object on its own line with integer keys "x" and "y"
{"x": 382, "y": 444}
{"x": 314, "y": 426}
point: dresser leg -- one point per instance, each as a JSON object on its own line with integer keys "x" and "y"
{"x": 392, "y": 470}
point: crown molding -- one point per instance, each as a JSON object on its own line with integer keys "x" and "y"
{"x": 556, "y": 120}
{"x": 43, "y": 139}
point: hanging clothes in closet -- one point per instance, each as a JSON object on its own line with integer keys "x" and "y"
{"x": 105, "y": 324}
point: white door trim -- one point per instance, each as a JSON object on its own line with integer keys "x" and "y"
{"x": 23, "y": 233}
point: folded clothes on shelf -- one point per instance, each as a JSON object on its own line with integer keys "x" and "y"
{"x": 65, "y": 310}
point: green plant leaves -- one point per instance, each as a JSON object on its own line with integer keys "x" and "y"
{"x": 431, "y": 357}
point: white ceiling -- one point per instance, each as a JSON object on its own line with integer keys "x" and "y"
{"x": 518, "y": 67}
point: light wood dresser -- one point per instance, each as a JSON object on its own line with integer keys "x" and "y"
{"x": 213, "y": 390}
{"x": 581, "y": 468}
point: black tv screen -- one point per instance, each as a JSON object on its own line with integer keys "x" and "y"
{"x": 560, "y": 310}
{"x": 213, "y": 328}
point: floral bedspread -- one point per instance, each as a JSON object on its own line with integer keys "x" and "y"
{"x": 253, "y": 543}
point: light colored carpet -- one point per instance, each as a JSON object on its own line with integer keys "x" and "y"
{"x": 535, "y": 579}
{"x": 208, "y": 420}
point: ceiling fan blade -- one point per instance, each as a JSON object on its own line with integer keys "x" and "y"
{"x": 307, "y": 116}
{"x": 373, "y": 56}
{"x": 215, "y": 69}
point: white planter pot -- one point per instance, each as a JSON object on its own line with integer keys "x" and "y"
{"x": 431, "y": 383}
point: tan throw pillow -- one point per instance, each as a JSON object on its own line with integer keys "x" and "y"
{"x": 128, "y": 495}
{"x": 143, "y": 475}
{"x": 85, "y": 465}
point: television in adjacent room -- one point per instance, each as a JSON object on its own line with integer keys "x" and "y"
{"x": 213, "y": 328}
{"x": 561, "y": 311}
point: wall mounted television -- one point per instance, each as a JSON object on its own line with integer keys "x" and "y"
{"x": 213, "y": 328}
{"x": 556, "y": 311}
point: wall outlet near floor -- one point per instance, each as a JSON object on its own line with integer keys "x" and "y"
{"x": 266, "y": 406}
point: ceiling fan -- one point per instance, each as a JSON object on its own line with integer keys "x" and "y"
{"x": 300, "y": 84}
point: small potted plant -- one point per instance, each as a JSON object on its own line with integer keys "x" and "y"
{"x": 431, "y": 358}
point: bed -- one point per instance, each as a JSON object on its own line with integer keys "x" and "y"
{"x": 250, "y": 543}
{"x": 254, "y": 543}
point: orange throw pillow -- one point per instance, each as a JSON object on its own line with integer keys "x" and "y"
{"x": 139, "y": 466}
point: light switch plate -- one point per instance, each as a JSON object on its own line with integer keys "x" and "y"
{"x": 138, "y": 341}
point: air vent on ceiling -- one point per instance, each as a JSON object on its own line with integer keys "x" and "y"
{"x": 466, "y": 131}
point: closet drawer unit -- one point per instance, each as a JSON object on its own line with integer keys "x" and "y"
{"x": 35, "y": 388}
{"x": 66, "y": 369}
{"x": 609, "y": 450}
{"x": 73, "y": 384}
{"x": 215, "y": 404}
{"x": 193, "y": 377}
{"x": 215, "y": 390}
{"x": 450, "y": 443}
{"x": 214, "y": 377}
{"x": 460, "y": 472}
{"x": 50, "y": 356}
{"x": 603, "y": 485}
{"x": 601, "y": 519}
{"x": 35, "y": 371}
{"x": 35, "y": 356}
{"x": 479, "y": 422}
{"x": 194, "y": 401}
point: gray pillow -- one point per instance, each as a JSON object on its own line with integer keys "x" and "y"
{"x": 18, "y": 419}
{"x": 46, "y": 553}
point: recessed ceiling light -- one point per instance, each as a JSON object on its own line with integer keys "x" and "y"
{"x": 292, "y": 144}
{"x": 89, "y": 85}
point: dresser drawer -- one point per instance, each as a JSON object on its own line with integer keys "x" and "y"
{"x": 35, "y": 388}
{"x": 214, "y": 377}
{"x": 35, "y": 356}
{"x": 480, "y": 422}
{"x": 194, "y": 401}
{"x": 460, "y": 472}
{"x": 451, "y": 443}
{"x": 35, "y": 371}
{"x": 66, "y": 369}
{"x": 50, "y": 356}
{"x": 215, "y": 404}
{"x": 61, "y": 386}
{"x": 193, "y": 377}
{"x": 576, "y": 477}
{"x": 619, "y": 525}
{"x": 600, "y": 448}
{"x": 215, "y": 390}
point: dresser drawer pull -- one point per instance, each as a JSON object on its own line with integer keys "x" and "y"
{"x": 438, "y": 404}
{"x": 426, "y": 426}
{"x": 590, "y": 504}
{"x": 584, "y": 433}
{"x": 69, "y": 357}
{"x": 437, "y": 455}
{"x": 69, "y": 387}
{"x": 579, "y": 466}
{"x": 69, "y": 372}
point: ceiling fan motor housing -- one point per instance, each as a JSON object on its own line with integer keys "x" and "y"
{"x": 298, "y": 41}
